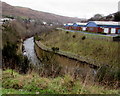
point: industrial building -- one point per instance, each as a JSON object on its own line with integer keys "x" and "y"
{"x": 108, "y": 27}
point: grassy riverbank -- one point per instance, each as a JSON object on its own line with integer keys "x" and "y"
{"x": 15, "y": 83}
{"x": 94, "y": 47}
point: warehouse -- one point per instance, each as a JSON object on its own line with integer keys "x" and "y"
{"x": 108, "y": 27}
{"x": 79, "y": 26}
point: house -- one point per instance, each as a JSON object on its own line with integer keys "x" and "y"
{"x": 5, "y": 19}
{"x": 108, "y": 27}
{"x": 44, "y": 23}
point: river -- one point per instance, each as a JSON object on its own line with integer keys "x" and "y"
{"x": 30, "y": 52}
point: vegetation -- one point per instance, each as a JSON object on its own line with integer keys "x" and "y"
{"x": 117, "y": 16}
{"x": 96, "y": 17}
{"x": 19, "y": 77}
{"x": 55, "y": 49}
{"x": 97, "y": 47}
{"x": 13, "y": 60}
{"x": 34, "y": 84}
{"x": 13, "y": 34}
{"x": 37, "y": 38}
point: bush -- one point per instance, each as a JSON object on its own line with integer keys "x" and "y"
{"x": 12, "y": 60}
{"x": 23, "y": 64}
{"x": 37, "y": 38}
{"x": 55, "y": 49}
{"x": 67, "y": 32}
{"x": 11, "y": 17}
{"x": 9, "y": 53}
{"x": 108, "y": 75}
{"x": 104, "y": 33}
{"x": 83, "y": 38}
{"x": 73, "y": 36}
{"x": 117, "y": 38}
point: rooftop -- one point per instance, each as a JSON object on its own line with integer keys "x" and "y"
{"x": 79, "y": 23}
{"x": 106, "y": 22}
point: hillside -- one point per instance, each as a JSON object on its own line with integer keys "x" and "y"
{"x": 111, "y": 17}
{"x": 98, "y": 48}
{"x": 34, "y": 84}
{"x": 29, "y": 13}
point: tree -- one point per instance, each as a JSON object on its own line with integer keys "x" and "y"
{"x": 13, "y": 60}
{"x": 117, "y": 16}
{"x": 96, "y": 17}
{"x": 9, "y": 54}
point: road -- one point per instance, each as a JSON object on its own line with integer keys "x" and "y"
{"x": 111, "y": 35}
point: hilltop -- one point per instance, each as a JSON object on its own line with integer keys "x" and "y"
{"x": 111, "y": 17}
{"x": 29, "y": 13}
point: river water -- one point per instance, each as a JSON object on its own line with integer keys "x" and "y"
{"x": 30, "y": 52}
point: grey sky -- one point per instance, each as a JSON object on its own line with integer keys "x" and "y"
{"x": 72, "y": 8}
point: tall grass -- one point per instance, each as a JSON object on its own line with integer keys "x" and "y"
{"x": 34, "y": 84}
{"x": 98, "y": 48}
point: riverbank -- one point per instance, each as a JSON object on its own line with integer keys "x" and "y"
{"x": 66, "y": 49}
{"x": 68, "y": 55}
{"x": 59, "y": 63}
{"x": 39, "y": 83}
{"x": 98, "y": 49}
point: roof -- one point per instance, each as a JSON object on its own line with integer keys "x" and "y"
{"x": 44, "y": 23}
{"x": 70, "y": 24}
{"x": 79, "y": 23}
{"x": 106, "y": 22}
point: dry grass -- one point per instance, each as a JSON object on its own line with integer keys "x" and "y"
{"x": 99, "y": 48}
{"x": 34, "y": 84}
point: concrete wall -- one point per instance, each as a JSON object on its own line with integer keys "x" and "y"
{"x": 68, "y": 65}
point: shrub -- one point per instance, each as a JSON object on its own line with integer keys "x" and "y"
{"x": 12, "y": 60}
{"x": 9, "y": 54}
{"x": 117, "y": 38}
{"x": 23, "y": 64}
{"x": 83, "y": 38}
{"x": 104, "y": 33}
{"x": 55, "y": 49}
{"x": 37, "y": 38}
{"x": 73, "y": 36}
{"x": 67, "y": 32}
{"x": 108, "y": 75}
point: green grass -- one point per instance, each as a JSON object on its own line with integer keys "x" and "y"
{"x": 95, "y": 47}
{"x": 14, "y": 83}
{"x": 13, "y": 91}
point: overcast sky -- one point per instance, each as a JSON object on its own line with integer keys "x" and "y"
{"x": 71, "y": 8}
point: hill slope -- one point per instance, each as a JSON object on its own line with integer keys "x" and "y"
{"x": 34, "y": 84}
{"x": 29, "y": 13}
